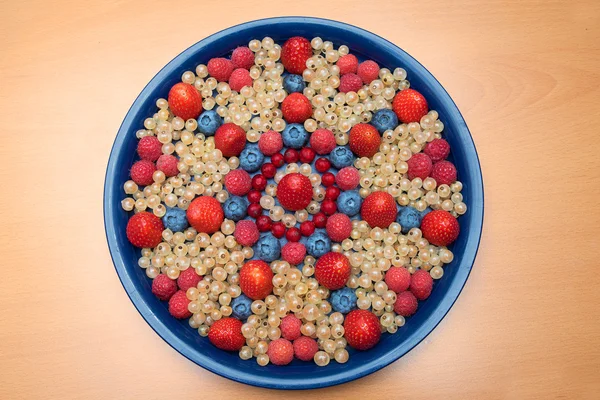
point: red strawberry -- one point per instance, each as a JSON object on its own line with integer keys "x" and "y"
{"x": 440, "y": 228}
{"x": 294, "y": 191}
{"x": 421, "y": 284}
{"x": 163, "y": 287}
{"x": 444, "y": 172}
{"x": 242, "y": 57}
{"x": 142, "y": 172}
{"x": 332, "y": 270}
{"x": 419, "y": 166}
{"x": 294, "y": 54}
{"x": 226, "y": 334}
{"x": 256, "y": 279}
{"x": 185, "y": 101}
{"x": 149, "y": 148}
{"x": 187, "y": 279}
{"x": 178, "y": 305}
{"x": 230, "y": 139}
{"x": 410, "y": 106}
{"x": 205, "y": 214}
{"x": 296, "y": 108}
{"x": 364, "y": 140}
{"x": 361, "y": 329}
{"x": 144, "y": 230}
{"x": 281, "y": 352}
{"x": 368, "y": 71}
{"x": 406, "y": 304}
{"x": 220, "y": 69}
{"x": 379, "y": 209}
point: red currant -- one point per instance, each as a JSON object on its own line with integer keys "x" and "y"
{"x": 278, "y": 230}
{"x": 307, "y": 155}
{"x": 291, "y": 156}
{"x": 328, "y": 179}
{"x": 322, "y": 165}
{"x": 307, "y": 228}
{"x": 328, "y": 207}
{"x": 293, "y": 235}
{"x": 277, "y": 160}
{"x": 254, "y": 210}
{"x": 332, "y": 193}
{"x": 263, "y": 223}
{"x": 268, "y": 170}
{"x": 259, "y": 182}
{"x": 320, "y": 220}
{"x": 254, "y": 196}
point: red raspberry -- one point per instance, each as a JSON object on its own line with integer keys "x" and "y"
{"x": 322, "y": 141}
{"x": 238, "y": 182}
{"x": 364, "y": 140}
{"x": 410, "y": 106}
{"x": 293, "y": 252}
{"x": 322, "y": 165}
{"x": 339, "y": 227}
{"x": 437, "y": 149}
{"x": 254, "y": 210}
{"x": 332, "y": 270}
{"x": 307, "y": 155}
{"x": 348, "y": 64}
{"x": 307, "y": 228}
{"x": 440, "y": 228}
{"x": 444, "y": 172}
{"x": 185, "y": 101}
{"x": 256, "y": 279}
{"x": 350, "y": 83}
{"x": 419, "y": 166}
{"x": 254, "y": 196}
{"x": 246, "y": 233}
{"x": 226, "y": 334}
{"x": 188, "y": 278}
{"x": 347, "y": 178}
{"x": 328, "y": 207}
{"x": 294, "y": 54}
{"x": 281, "y": 352}
{"x": 205, "y": 214}
{"x": 406, "y": 304}
{"x": 290, "y": 327}
{"x": 278, "y": 230}
{"x": 264, "y": 223}
{"x": 230, "y": 139}
{"x": 397, "y": 279}
{"x": 142, "y": 171}
{"x": 268, "y": 170}
{"x": 178, "y": 305}
{"x": 291, "y": 156}
{"x": 163, "y": 287}
{"x": 362, "y": 329}
{"x": 259, "y": 182}
{"x": 270, "y": 143}
{"x": 239, "y": 78}
{"x": 149, "y": 148}
{"x": 320, "y": 220}
{"x": 328, "y": 179}
{"x": 144, "y": 230}
{"x": 242, "y": 57}
{"x": 421, "y": 284}
{"x": 293, "y": 235}
{"x": 277, "y": 159}
{"x": 368, "y": 71}
{"x": 296, "y": 108}
{"x": 167, "y": 163}
{"x": 305, "y": 348}
{"x": 294, "y": 192}
{"x": 379, "y": 209}
{"x": 332, "y": 193}
{"x": 220, "y": 69}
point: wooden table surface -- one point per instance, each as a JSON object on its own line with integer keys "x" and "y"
{"x": 525, "y": 74}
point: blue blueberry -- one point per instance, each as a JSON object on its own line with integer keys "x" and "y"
{"x": 294, "y": 136}
{"x": 349, "y": 203}
{"x": 251, "y": 158}
{"x": 318, "y": 244}
{"x": 175, "y": 219}
{"x": 208, "y": 122}
{"x": 343, "y": 300}
{"x": 408, "y": 218}
{"x": 240, "y": 307}
{"x": 384, "y": 119}
{"x": 235, "y": 208}
{"x": 293, "y": 83}
{"x": 425, "y": 212}
{"x": 341, "y": 157}
{"x": 267, "y": 248}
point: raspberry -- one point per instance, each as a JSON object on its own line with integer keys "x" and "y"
{"x": 406, "y": 304}
{"x": 238, "y": 182}
{"x": 142, "y": 171}
{"x": 178, "y": 305}
{"x": 347, "y": 178}
{"x": 239, "y": 78}
{"x": 322, "y": 141}
{"x": 220, "y": 69}
{"x": 368, "y": 71}
{"x": 293, "y": 252}
{"x": 281, "y": 352}
{"x": 397, "y": 279}
{"x": 339, "y": 227}
{"x": 348, "y": 64}
{"x": 149, "y": 148}
{"x": 290, "y": 327}
{"x": 305, "y": 348}
{"x": 167, "y": 163}
{"x": 437, "y": 149}
{"x": 419, "y": 166}
{"x": 350, "y": 83}
{"x": 188, "y": 278}
{"x": 163, "y": 287}
{"x": 296, "y": 108}
{"x": 322, "y": 165}
{"x": 270, "y": 143}
{"x": 421, "y": 284}
{"x": 444, "y": 172}
{"x": 307, "y": 228}
{"x": 246, "y": 233}
{"x": 242, "y": 57}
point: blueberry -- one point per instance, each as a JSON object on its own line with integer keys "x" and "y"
{"x": 349, "y": 203}
{"x": 267, "y": 248}
{"x": 408, "y": 218}
{"x": 341, "y": 157}
{"x": 343, "y": 300}
{"x": 425, "y": 212}
{"x": 251, "y": 158}
{"x": 240, "y": 307}
{"x": 293, "y": 83}
{"x": 384, "y": 119}
{"x": 294, "y": 136}
{"x": 175, "y": 219}
{"x": 318, "y": 244}
{"x": 208, "y": 122}
{"x": 235, "y": 208}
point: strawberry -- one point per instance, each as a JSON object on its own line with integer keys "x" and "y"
{"x": 205, "y": 214}
{"x": 256, "y": 279}
{"x": 332, "y": 270}
{"x": 230, "y": 139}
{"x": 185, "y": 101}
{"x": 294, "y": 191}
{"x": 144, "y": 230}
{"x": 421, "y": 284}
{"x": 440, "y": 228}
{"x": 379, "y": 209}
{"x": 220, "y": 69}
{"x": 226, "y": 334}
{"x": 294, "y": 54}
{"x": 296, "y": 108}
{"x": 364, "y": 140}
{"x": 410, "y": 106}
{"x": 419, "y": 166}
{"x": 178, "y": 305}
{"x": 361, "y": 329}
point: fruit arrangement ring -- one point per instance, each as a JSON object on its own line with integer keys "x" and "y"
{"x": 291, "y": 201}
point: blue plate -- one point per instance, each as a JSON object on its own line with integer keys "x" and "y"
{"x": 297, "y": 375}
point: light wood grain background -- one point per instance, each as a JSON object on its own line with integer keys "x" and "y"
{"x": 525, "y": 74}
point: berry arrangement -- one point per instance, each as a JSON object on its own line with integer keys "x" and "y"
{"x": 291, "y": 201}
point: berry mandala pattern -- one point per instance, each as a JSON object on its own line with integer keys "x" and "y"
{"x": 291, "y": 201}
